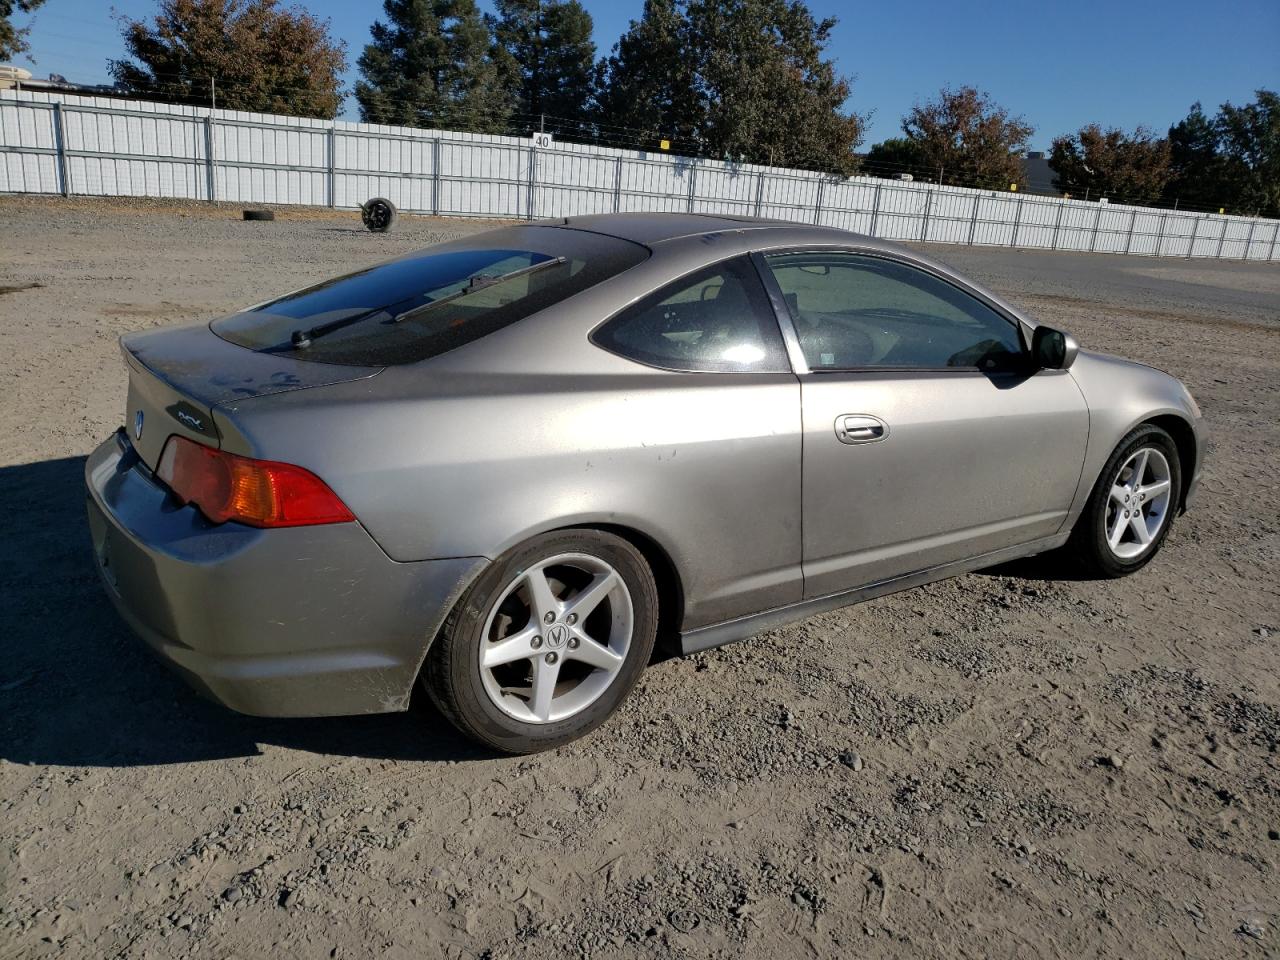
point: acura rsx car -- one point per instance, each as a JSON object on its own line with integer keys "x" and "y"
{"x": 501, "y": 467}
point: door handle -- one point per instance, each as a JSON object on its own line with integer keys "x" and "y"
{"x": 860, "y": 428}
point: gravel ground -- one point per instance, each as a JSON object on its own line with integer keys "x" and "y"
{"x": 1005, "y": 764}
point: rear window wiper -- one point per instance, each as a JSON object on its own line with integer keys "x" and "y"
{"x": 478, "y": 282}
{"x": 302, "y": 338}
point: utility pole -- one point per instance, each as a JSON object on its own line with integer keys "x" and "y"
{"x": 213, "y": 94}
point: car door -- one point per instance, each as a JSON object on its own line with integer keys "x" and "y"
{"x": 712, "y": 438}
{"x": 928, "y": 435}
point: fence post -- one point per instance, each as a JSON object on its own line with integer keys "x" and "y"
{"x": 973, "y": 221}
{"x": 875, "y": 212}
{"x": 1097, "y": 222}
{"x": 759, "y": 191}
{"x": 693, "y": 183}
{"x": 211, "y": 178}
{"x": 60, "y": 141}
{"x": 1160, "y": 233}
{"x": 1222, "y": 238}
{"x": 1275, "y": 235}
{"x": 617, "y": 184}
{"x": 1017, "y": 222}
{"x": 817, "y": 206}
{"x": 928, "y": 204}
{"x": 435, "y": 177}
{"x": 533, "y": 180}
{"x": 1128, "y": 242}
{"x": 333, "y": 166}
{"x": 1249, "y": 243}
{"x": 1057, "y": 222}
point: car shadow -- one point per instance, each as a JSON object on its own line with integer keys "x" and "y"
{"x": 78, "y": 689}
{"x": 1054, "y": 565}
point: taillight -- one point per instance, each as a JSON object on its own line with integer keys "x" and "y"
{"x": 261, "y": 493}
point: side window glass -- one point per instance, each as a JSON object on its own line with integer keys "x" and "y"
{"x": 855, "y": 311}
{"x": 717, "y": 319}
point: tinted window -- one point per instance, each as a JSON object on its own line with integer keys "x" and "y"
{"x": 401, "y": 311}
{"x": 717, "y": 319}
{"x": 854, "y": 311}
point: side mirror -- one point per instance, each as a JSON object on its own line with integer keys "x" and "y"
{"x": 1052, "y": 349}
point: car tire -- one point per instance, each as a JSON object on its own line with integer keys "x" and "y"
{"x": 378, "y": 214}
{"x": 1093, "y": 541}
{"x": 471, "y": 684}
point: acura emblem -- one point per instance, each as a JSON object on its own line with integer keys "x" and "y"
{"x": 137, "y": 425}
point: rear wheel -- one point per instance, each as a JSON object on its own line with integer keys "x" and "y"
{"x": 1132, "y": 505}
{"x": 547, "y": 643}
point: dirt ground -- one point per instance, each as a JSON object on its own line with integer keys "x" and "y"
{"x": 1009, "y": 764}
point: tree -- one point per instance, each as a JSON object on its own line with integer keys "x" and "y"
{"x": 547, "y": 52}
{"x": 768, "y": 94}
{"x": 646, "y": 87}
{"x": 969, "y": 139}
{"x": 1250, "y": 145}
{"x": 433, "y": 64}
{"x": 12, "y": 40}
{"x": 1133, "y": 167}
{"x": 895, "y": 156}
{"x": 1231, "y": 161}
{"x": 743, "y": 79}
{"x": 262, "y": 57}
{"x": 1196, "y": 166}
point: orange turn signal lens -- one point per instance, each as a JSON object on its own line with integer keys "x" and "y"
{"x": 260, "y": 493}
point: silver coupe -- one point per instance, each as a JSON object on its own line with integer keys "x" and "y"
{"x": 503, "y": 466}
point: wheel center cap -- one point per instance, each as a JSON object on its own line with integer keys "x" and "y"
{"x": 557, "y": 636}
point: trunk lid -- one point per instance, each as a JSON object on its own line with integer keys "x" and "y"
{"x": 179, "y": 374}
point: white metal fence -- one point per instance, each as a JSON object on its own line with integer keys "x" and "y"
{"x": 50, "y": 143}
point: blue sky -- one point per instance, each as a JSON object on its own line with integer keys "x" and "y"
{"x": 1117, "y": 63}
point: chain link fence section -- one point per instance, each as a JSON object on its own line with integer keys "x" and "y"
{"x": 94, "y": 146}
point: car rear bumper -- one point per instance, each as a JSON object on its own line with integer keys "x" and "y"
{"x": 302, "y": 621}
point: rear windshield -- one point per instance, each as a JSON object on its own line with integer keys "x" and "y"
{"x": 433, "y": 301}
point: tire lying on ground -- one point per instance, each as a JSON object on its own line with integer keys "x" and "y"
{"x": 258, "y": 214}
{"x": 378, "y": 214}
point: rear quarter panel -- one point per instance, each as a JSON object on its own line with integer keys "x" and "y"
{"x": 705, "y": 465}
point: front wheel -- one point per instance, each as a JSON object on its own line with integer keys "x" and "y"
{"x": 1132, "y": 505}
{"x": 547, "y": 643}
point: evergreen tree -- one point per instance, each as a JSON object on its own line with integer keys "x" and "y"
{"x": 1250, "y": 139}
{"x": 768, "y": 94}
{"x": 1197, "y": 166}
{"x": 646, "y": 87}
{"x": 739, "y": 79}
{"x": 433, "y": 64}
{"x": 549, "y": 56}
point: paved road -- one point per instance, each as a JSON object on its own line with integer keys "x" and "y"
{"x": 1221, "y": 289}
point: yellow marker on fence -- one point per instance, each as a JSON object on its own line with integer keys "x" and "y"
{"x": 664, "y": 144}
{"x": 1013, "y": 188}
{"x": 1222, "y": 209}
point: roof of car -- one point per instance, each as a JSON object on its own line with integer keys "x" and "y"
{"x": 651, "y": 228}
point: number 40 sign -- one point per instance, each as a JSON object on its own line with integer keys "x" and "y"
{"x": 542, "y": 140}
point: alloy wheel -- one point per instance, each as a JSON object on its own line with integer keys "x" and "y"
{"x": 556, "y": 638}
{"x": 1138, "y": 506}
